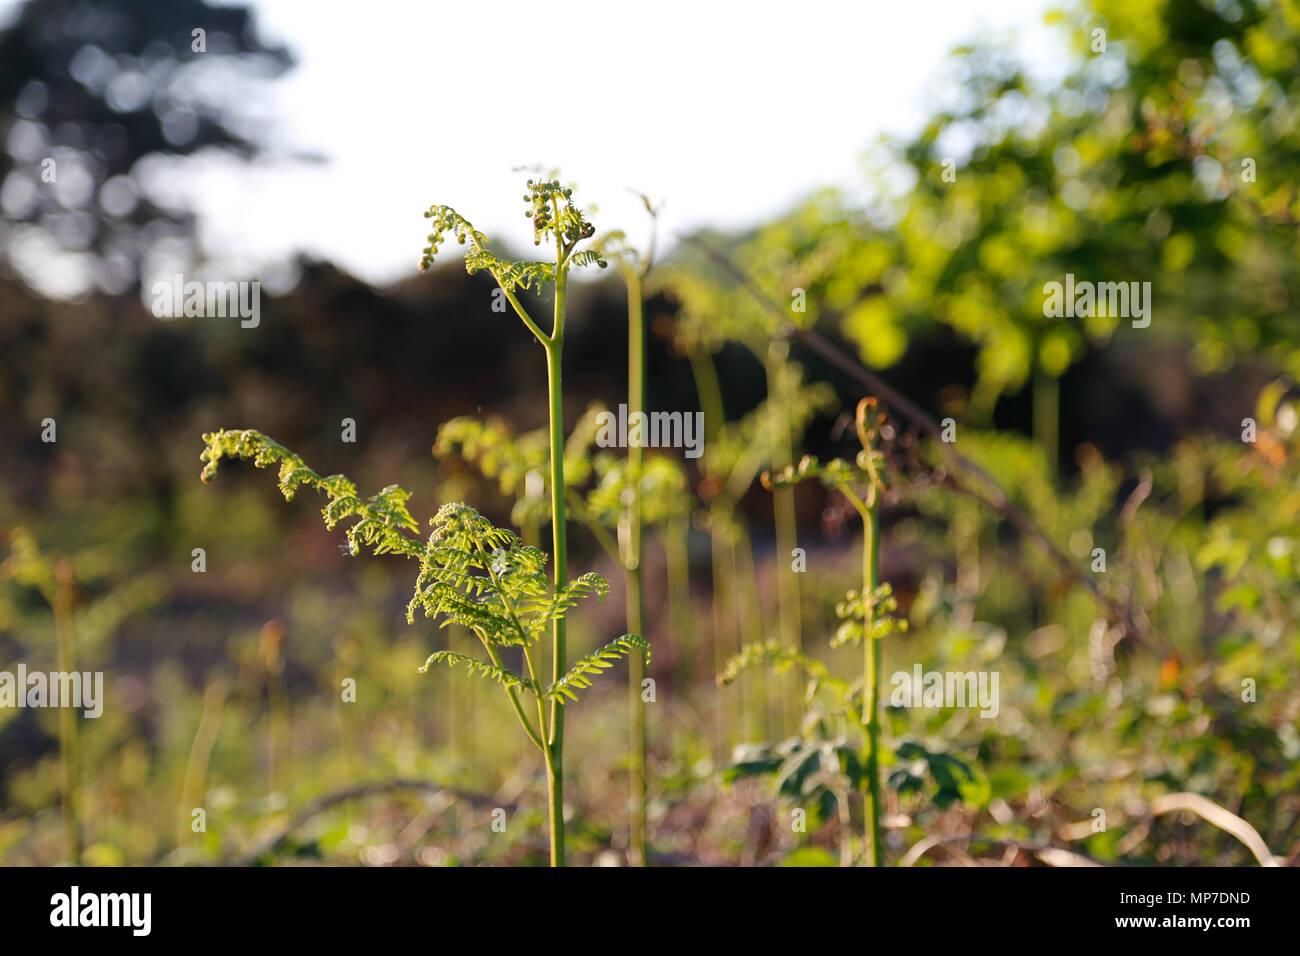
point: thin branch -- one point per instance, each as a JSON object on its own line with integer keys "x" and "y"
{"x": 1216, "y": 815}
{"x": 523, "y": 313}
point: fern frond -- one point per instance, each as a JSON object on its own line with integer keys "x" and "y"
{"x": 495, "y": 450}
{"x": 662, "y": 490}
{"x": 445, "y": 219}
{"x": 498, "y": 453}
{"x": 775, "y": 655}
{"x": 480, "y": 668}
{"x": 483, "y": 578}
{"x": 579, "y": 675}
{"x": 587, "y": 257}
{"x": 553, "y": 213}
{"x": 383, "y": 518}
{"x": 741, "y": 450}
{"x": 511, "y": 275}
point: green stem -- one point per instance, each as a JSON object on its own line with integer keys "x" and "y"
{"x": 787, "y": 579}
{"x": 1047, "y": 419}
{"x": 871, "y": 672}
{"x": 708, "y": 390}
{"x": 1047, "y": 430}
{"x": 783, "y": 501}
{"x": 750, "y": 628}
{"x": 196, "y": 765}
{"x": 633, "y": 554}
{"x": 721, "y": 618}
{"x": 555, "y": 758}
{"x": 513, "y": 694}
{"x": 534, "y": 674}
{"x": 677, "y": 558}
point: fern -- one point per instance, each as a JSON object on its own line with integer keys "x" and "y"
{"x": 480, "y": 668}
{"x": 579, "y": 675}
{"x": 867, "y": 614}
{"x": 383, "y": 521}
{"x": 473, "y": 573}
{"x": 775, "y": 655}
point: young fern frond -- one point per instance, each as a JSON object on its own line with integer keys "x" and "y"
{"x": 497, "y": 452}
{"x": 511, "y": 275}
{"x": 741, "y": 449}
{"x": 553, "y": 212}
{"x": 383, "y": 519}
{"x": 554, "y": 215}
{"x": 867, "y": 614}
{"x": 587, "y": 257}
{"x": 483, "y": 578}
{"x": 472, "y": 573}
{"x": 480, "y": 668}
{"x": 878, "y": 610}
{"x": 578, "y": 677}
{"x": 662, "y": 490}
{"x": 777, "y": 656}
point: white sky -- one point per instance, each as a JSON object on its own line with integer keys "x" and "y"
{"x": 728, "y": 111}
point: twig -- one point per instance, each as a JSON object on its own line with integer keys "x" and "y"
{"x": 1216, "y": 815}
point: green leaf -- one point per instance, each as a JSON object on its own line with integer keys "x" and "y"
{"x": 478, "y": 667}
{"x": 579, "y": 675}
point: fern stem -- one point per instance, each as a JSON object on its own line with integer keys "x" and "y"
{"x": 555, "y": 762}
{"x": 871, "y": 672}
{"x": 513, "y": 694}
{"x": 787, "y": 580}
{"x": 522, "y": 312}
{"x": 681, "y": 613}
{"x": 535, "y": 676}
{"x": 196, "y": 764}
{"x": 632, "y": 560}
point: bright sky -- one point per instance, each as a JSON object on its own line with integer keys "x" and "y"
{"x": 727, "y": 111}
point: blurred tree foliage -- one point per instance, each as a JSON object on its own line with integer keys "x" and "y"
{"x": 89, "y": 93}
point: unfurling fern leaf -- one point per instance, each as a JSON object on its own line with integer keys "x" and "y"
{"x": 775, "y": 655}
{"x": 480, "y": 668}
{"x": 383, "y": 518}
{"x": 602, "y": 659}
{"x": 587, "y": 257}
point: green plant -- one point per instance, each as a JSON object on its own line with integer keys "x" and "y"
{"x": 554, "y": 215}
{"x": 81, "y": 625}
{"x": 866, "y": 616}
{"x": 472, "y": 574}
{"x": 657, "y": 496}
{"x": 633, "y": 267}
